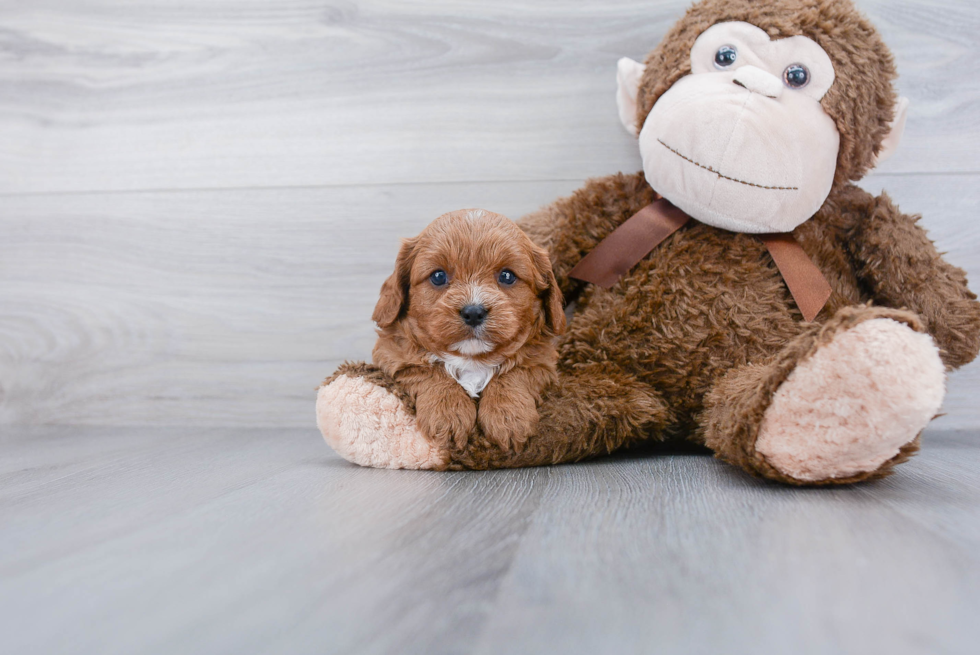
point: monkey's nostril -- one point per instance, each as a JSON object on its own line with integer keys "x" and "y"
{"x": 473, "y": 315}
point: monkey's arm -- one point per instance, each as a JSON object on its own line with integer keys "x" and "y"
{"x": 571, "y": 227}
{"x": 902, "y": 268}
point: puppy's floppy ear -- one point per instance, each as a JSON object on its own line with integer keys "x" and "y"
{"x": 394, "y": 291}
{"x": 551, "y": 298}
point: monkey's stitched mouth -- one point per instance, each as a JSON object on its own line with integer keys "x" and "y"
{"x": 726, "y": 177}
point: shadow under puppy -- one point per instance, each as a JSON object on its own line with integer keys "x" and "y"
{"x": 467, "y": 324}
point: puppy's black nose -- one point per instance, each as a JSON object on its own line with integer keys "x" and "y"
{"x": 473, "y": 315}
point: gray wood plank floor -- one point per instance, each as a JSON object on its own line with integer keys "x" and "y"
{"x": 169, "y": 540}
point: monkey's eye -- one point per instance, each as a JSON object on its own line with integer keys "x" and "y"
{"x": 796, "y": 76}
{"x": 507, "y": 277}
{"x": 439, "y": 278}
{"x": 725, "y": 56}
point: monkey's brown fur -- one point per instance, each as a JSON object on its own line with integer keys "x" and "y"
{"x": 694, "y": 341}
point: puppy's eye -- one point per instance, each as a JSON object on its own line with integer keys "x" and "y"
{"x": 796, "y": 76}
{"x": 439, "y": 278}
{"x": 507, "y": 277}
{"x": 725, "y": 56}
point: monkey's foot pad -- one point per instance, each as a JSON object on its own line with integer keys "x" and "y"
{"x": 850, "y": 407}
{"x": 369, "y": 426}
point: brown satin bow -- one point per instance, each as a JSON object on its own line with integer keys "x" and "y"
{"x": 648, "y": 228}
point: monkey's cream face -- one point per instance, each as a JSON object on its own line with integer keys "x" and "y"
{"x": 743, "y": 143}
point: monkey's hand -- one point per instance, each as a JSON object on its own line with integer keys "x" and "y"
{"x": 904, "y": 270}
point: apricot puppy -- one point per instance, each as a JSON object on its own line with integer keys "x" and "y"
{"x": 467, "y": 324}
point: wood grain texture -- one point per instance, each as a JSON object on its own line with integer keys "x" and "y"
{"x": 107, "y": 95}
{"x": 217, "y": 308}
{"x": 229, "y": 307}
{"x": 174, "y": 540}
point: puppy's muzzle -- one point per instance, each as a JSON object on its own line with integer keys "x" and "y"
{"x": 473, "y": 315}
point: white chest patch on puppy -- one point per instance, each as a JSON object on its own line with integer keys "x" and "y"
{"x": 472, "y": 376}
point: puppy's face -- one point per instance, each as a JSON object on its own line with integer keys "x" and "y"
{"x": 472, "y": 284}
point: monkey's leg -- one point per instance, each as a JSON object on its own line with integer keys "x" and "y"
{"x": 590, "y": 411}
{"x": 843, "y": 402}
{"x": 368, "y": 420}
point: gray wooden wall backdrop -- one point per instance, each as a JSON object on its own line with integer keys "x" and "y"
{"x": 199, "y": 200}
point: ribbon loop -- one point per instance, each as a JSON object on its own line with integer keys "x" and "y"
{"x": 806, "y": 283}
{"x": 629, "y": 243}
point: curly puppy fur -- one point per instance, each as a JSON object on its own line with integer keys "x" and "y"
{"x": 426, "y": 345}
{"x": 694, "y": 341}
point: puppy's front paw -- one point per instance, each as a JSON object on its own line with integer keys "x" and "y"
{"x": 508, "y": 420}
{"x": 446, "y": 420}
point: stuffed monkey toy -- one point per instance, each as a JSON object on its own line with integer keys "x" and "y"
{"x": 740, "y": 292}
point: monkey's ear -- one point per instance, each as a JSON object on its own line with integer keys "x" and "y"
{"x": 628, "y": 76}
{"x": 890, "y": 143}
{"x": 394, "y": 291}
